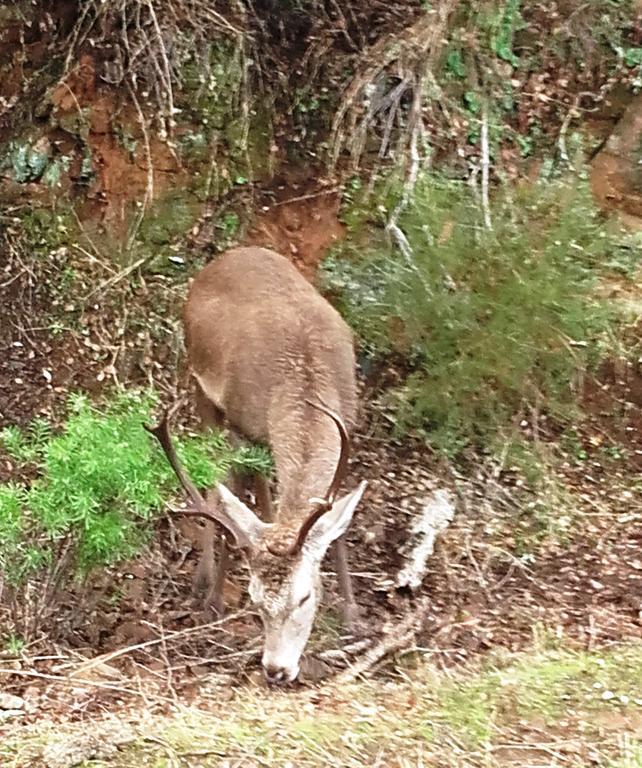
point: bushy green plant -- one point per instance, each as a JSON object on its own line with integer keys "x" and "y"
{"x": 487, "y": 320}
{"x": 100, "y": 482}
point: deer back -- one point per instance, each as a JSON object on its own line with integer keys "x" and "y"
{"x": 261, "y": 341}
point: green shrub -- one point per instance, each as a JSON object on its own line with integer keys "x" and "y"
{"x": 486, "y": 321}
{"x": 99, "y": 483}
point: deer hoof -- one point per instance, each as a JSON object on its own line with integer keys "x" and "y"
{"x": 215, "y": 605}
{"x": 354, "y": 621}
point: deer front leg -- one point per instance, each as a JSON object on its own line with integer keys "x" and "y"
{"x": 209, "y": 579}
{"x": 216, "y": 595}
{"x": 204, "y": 575}
{"x": 351, "y": 613}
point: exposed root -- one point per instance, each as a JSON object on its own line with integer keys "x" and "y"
{"x": 398, "y": 637}
{"x": 394, "y": 68}
{"x": 147, "y": 41}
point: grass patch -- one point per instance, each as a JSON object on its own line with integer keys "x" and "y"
{"x": 547, "y": 686}
{"x": 468, "y": 716}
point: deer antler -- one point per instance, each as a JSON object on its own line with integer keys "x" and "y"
{"x": 322, "y": 505}
{"x": 202, "y": 508}
{"x": 342, "y": 465}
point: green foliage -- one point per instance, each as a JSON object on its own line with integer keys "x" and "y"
{"x": 502, "y": 40}
{"x": 632, "y": 57}
{"x": 25, "y": 161}
{"x": 229, "y": 224}
{"x": 100, "y": 482}
{"x": 168, "y": 217}
{"x": 487, "y": 38}
{"x": 487, "y": 320}
{"x": 455, "y": 63}
{"x": 13, "y": 644}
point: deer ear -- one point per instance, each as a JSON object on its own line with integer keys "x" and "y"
{"x": 239, "y": 519}
{"x": 334, "y": 523}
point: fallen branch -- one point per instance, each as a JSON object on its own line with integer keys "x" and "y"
{"x": 398, "y": 637}
{"x": 572, "y": 114}
{"x": 485, "y": 161}
{"x": 105, "y": 658}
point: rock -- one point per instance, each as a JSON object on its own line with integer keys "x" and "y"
{"x": 6, "y": 714}
{"x": 8, "y": 702}
{"x": 72, "y": 749}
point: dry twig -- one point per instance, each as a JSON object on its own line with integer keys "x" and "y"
{"x": 397, "y": 638}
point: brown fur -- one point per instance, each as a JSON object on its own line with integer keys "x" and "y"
{"x": 261, "y": 340}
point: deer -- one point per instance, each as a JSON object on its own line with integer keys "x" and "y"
{"x": 275, "y": 361}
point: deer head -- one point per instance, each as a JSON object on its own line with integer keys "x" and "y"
{"x": 285, "y": 579}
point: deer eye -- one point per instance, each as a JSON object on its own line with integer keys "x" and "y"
{"x": 304, "y": 600}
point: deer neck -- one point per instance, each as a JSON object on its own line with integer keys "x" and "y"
{"x": 306, "y": 447}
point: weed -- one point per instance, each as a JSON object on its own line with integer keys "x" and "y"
{"x": 229, "y": 224}
{"x": 507, "y": 22}
{"x": 13, "y": 644}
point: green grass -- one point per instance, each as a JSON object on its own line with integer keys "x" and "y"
{"x": 631, "y": 755}
{"x": 548, "y": 685}
{"x": 463, "y": 718}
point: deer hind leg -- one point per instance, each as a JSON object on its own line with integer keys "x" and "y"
{"x": 351, "y": 613}
{"x": 211, "y": 415}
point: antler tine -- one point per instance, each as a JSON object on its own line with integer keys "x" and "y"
{"x": 323, "y": 505}
{"x": 201, "y": 507}
{"x": 310, "y": 520}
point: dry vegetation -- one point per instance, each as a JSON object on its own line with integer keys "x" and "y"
{"x": 550, "y": 707}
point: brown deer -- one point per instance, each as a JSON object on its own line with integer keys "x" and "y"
{"x": 275, "y": 360}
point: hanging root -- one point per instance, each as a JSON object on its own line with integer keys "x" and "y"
{"x": 145, "y": 42}
{"x": 390, "y": 93}
{"x": 435, "y": 516}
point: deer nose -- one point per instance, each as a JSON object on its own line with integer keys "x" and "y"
{"x": 275, "y": 675}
